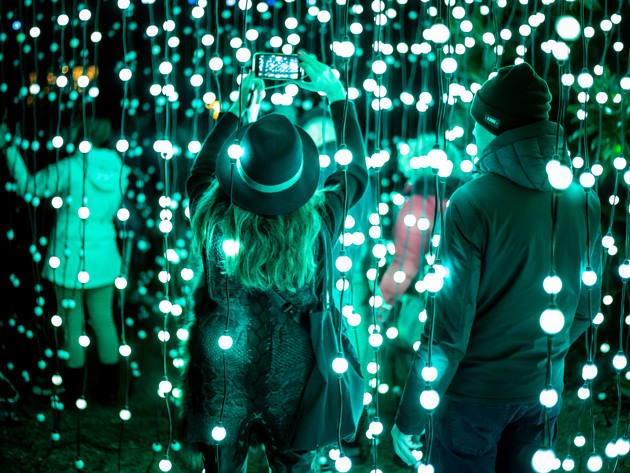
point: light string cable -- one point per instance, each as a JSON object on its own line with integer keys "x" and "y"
{"x": 85, "y": 146}
{"x": 122, "y": 147}
{"x": 57, "y": 201}
{"x": 619, "y": 360}
{"x": 34, "y": 199}
{"x": 623, "y": 142}
{"x": 342, "y": 255}
{"x": 166, "y": 229}
{"x": 151, "y": 32}
{"x": 219, "y": 433}
{"x": 439, "y": 213}
{"x": 410, "y": 216}
{"x": 375, "y": 338}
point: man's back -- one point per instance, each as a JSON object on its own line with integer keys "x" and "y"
{"x": 506, "y": 354}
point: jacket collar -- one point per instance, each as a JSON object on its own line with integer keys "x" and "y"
{"x": 521, "y": 154}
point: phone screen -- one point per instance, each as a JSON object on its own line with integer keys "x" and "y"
{"x": 277, "y": 66}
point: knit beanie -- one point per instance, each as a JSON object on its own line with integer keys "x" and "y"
{"x": 516, "y": 96}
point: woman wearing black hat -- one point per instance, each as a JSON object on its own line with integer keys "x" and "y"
{"x": 267, "y": 240}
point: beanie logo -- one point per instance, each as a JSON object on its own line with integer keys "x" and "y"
{"x": 495, "y": 122}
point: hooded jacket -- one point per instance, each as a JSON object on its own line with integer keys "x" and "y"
{"x": 488, "y": 344}
{"x": 103, "y": 181}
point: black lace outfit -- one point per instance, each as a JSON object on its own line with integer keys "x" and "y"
{"x": 271, "y": 357}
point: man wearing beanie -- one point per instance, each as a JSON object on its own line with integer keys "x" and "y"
{"x": 489, "y": 349}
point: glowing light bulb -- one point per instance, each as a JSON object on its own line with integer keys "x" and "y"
{"x": 579, "y": 440}
{"x": 552, "y": 284}
{"x": 343, "y": 156}
{"x": 587, "y": 180}
{"x": 56, "y": 320}
{"x": 552, "y": 321}
{"x": 218, "y": 433}
{"x": 379, "y": 67}
{"x": 165, "y": 465}
{"x": 340, "y": 364}
{"x": 429, "y": 373}
{"x": 225, "y": 342}
{"x": 584, "y": 393}
{"x": 543, "y": 460}
{"x": 165, "y": 386}
{"x": 439, "y": 33}
{"x": 548, "y": 397}
{"x": 559, "y": 175}
{"x": 343, "y": 464}
{"x": 343, "y": 264}
{"x": 568, "y": 28}
{"x": 120, "y": 282}
{"x": 433, "y": 282}
{"x": 84, "y": 212}
{"x": 589, "y": 277}
{"x": 620, "y": 361}
{"x": 376, "y": 427}
{"x": 375, "y": 340}
{"x": 589, "y": 371}
{"x": 429, "y": 399}
{"x": 124, "y": 350}
{"x": 568, "y": 464}
{"x": 81, "y": 403}
{"x": 594, "y": 462}
{"x": 623, "y": 446}
{"x": 585, "y": 80}
{"x": 235, "y": 151}
{"x": 624, "y": 269}
{"x": 125, "y": 414}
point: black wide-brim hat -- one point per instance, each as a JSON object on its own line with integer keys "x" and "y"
{"x": 278, "y": 172}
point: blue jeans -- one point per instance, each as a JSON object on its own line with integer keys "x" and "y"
{"x": 482, "y": 438}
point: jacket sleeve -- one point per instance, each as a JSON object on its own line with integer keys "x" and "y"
{"x": 44, "y": 183}
{"x": 203, "y": 169}
{"x": 357, "y": 176}
{"x": 587, "y": 308}
{"x": 455, "y": 308}
{"x": 411, "y": 243}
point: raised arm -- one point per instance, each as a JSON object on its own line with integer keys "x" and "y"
{"x": 323, "y": 80}
{"x": 44, "y": 183}
{"x": 203, "y": 170}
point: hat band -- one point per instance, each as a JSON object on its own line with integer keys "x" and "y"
{"x": 266, "y": 188}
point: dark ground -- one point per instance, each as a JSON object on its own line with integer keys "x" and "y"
{"x": 27, "y": 446}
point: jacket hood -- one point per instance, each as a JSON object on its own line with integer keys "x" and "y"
{"x": 104, "y": 170}
{"x": 521, "y": 154}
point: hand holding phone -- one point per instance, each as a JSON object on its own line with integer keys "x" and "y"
{"x": 321, "y": 78}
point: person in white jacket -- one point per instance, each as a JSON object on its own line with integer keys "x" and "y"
{"x": 102, "y": 173}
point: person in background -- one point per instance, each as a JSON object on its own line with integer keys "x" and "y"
{"x": 489, "y": 349}
{"x": 257, "y": 226}
{"x": 412, "y": 232}
{"x": 105, "y": 179}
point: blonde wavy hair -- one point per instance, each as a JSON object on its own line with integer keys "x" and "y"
{"x": 272, "y": 252}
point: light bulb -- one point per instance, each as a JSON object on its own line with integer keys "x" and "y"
{"x": 429, "y": 399}
{"x": 543, "y": 460}
{"x": 429, "y": 373}
{"x": 594, "y": 462}
{"x": 568, "y": 28}
{"x": 225, "y": 342}
{"x": 589, "y": 277}
{"x": 218, "y": 433}
{"x": 552, "y": 321}
{"x": 552, "y": 284}
{"x": 340, "y": 364}
{"x": 620, "y": 361}
{"x": 548, "y": 397}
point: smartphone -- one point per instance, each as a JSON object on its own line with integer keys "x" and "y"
{"x": 272, "y": 66}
